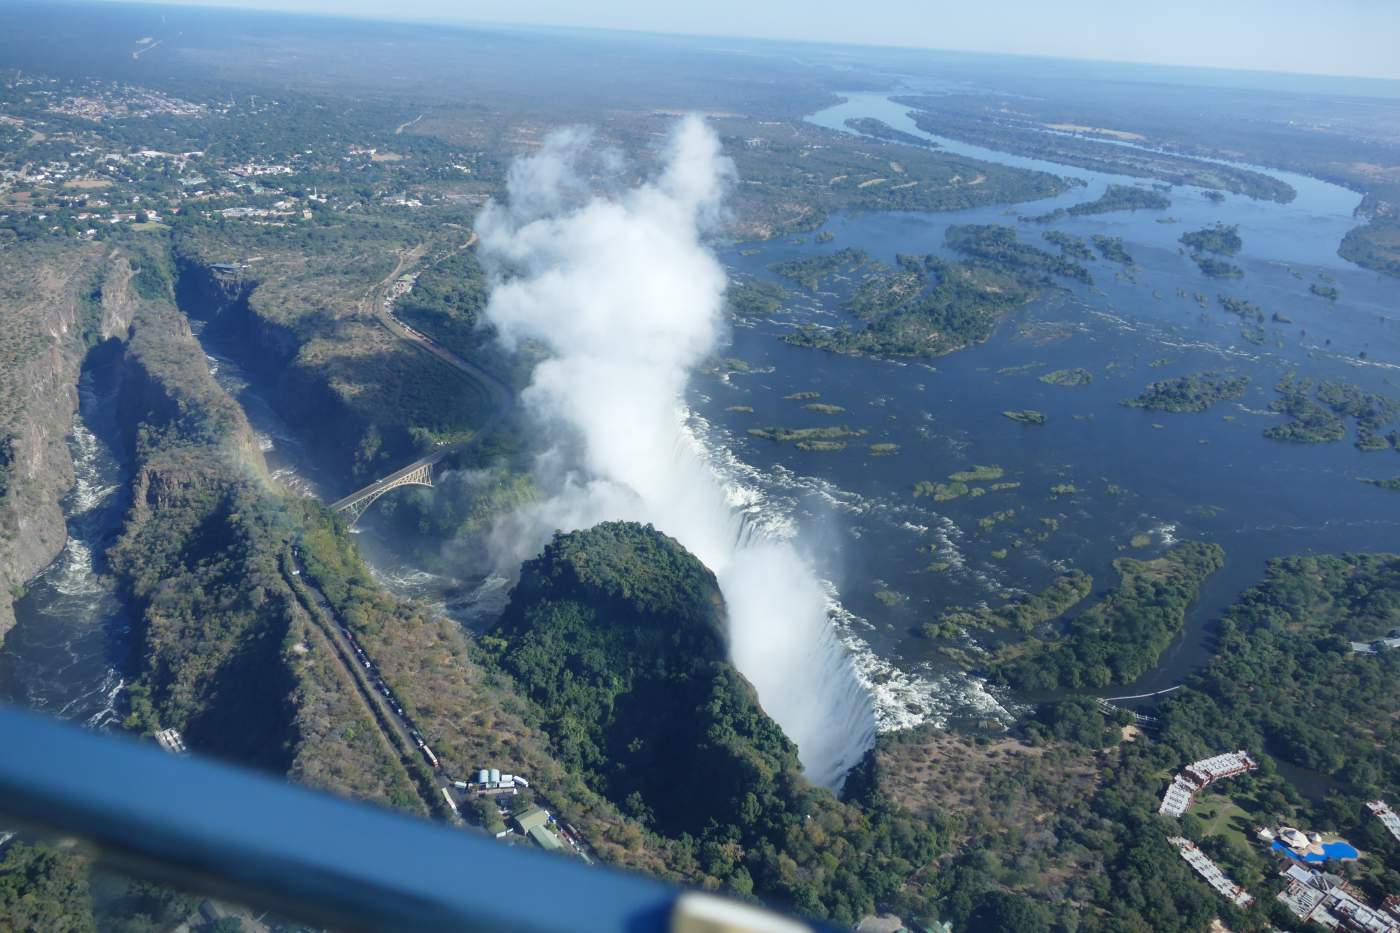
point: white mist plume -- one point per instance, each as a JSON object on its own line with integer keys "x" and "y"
{"x": 626, "y": 300}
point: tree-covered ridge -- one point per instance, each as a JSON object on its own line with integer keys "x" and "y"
{"x": 617, "y": 633}
{"x": 1120, "y": 637}
{"x": 629, "y": 564}
{"x": 614, "y": 634}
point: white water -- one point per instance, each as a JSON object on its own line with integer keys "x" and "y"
{"x": 625, "y": 298}
{"x": 64, "y": 654}
{"x": 869, "y": 693}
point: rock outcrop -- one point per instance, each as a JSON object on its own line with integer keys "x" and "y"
{"x": 57, "y": 302}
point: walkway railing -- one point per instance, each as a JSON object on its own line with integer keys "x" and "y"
{"x": 256, "y": 840}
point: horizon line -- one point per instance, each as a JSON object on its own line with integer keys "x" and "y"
{"x": 410, "y": 20}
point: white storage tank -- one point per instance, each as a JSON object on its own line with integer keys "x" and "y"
{"x": 483, "y": 776}
{"x": 495, "y": 776}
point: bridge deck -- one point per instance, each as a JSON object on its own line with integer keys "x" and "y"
{"x": 394, "y": 477}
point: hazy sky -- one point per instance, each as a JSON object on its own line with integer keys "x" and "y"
{"x": 1345, "y": 37}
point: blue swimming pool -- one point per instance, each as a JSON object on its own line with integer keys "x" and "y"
{"x": 1339, "y": 851}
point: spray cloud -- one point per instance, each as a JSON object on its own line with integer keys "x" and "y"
{"x": 625, "y": 299}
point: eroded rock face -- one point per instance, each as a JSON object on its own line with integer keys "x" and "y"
{"x": 58, "y": 302}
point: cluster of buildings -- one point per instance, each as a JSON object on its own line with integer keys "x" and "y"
{"x": 1201, "y": 774}
{"x": 1313, "y": 895}
{"x": 534, "y": 824}
{"x": 171, "y": 741}
{"x": 1325, "y": 899}
{"x": 402, "y": 286}
{"x": 1211, "y": 872}
{"x": 124, "y": 101}
{"x": 53, "y": 192}
{"x": 490, "y": 782}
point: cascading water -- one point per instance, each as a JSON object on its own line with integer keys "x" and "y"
{"x": 628, "y": 301}
{"x": 65, "y": 653}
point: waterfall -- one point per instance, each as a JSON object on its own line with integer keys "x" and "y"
{"x": 618, "y": 287}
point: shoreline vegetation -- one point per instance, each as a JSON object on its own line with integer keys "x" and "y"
{"x": 961, "y": 117}
{"x": 1022, "y": 613}
{"x": 1121, "y": 636}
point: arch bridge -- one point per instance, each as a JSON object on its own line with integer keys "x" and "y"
{"x": 417, "y": 473}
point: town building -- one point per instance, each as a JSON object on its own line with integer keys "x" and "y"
{"x": 1323, "y": 898}
{"x": 1211, "y": 872}
{"x": 1201, "y": 774}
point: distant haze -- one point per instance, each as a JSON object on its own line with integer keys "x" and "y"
{"x": 1340, "y": 37}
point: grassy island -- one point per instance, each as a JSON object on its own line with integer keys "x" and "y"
{"x": 811, "y": 272}
{"x": 1077, "y": 376}
{"x": 879, "y": 129}
{"x": 1218, "y": 239}
{"x": 1022, "y": 613}
{"x": 1193, "y": 392}
{"x": 1026, "y": 416}
{"x": 799, "y": 435}
{"x": 928, "y": 306}
{"x": 1115, "y": 198}
{"x": 1245, "y": 310}
{"x": 1111, "y": 249}
{"x": 997, "y": 245}
{"x": 753, "y": 298}
{"x": 1071, "y": 246}
{"x": 1217, "y": 268}
{"x": 1316, "y": 411}
{"x": 1120, "y": 637}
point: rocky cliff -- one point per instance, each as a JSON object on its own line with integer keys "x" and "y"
{"x": 56, "y": 302}
{"x": 288, "y": 359}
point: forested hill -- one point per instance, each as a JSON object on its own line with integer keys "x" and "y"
{"x": 618, "y": 633}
